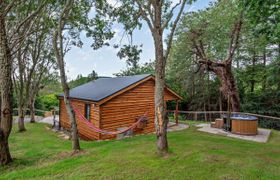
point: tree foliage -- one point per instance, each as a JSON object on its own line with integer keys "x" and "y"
{"x": 255, "y": 64}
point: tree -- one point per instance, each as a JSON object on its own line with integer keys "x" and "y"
{"x": 158, "y": 15}
{"x": 215, "y": 53}
{"x": 93, "y": 76}
{"x": 9, "y": 46}
{"x": 34, "y": 58}
{"x": 72, "y": 18}
{"x": 58, "y": 48}
{"x": 80, "y": 79}
{"x": 146, "y": 68}
{"x": 6, "y": 88}
{"x": 222, "y": 69}
{"x": 255, "y": 65}
{"x": 264, "y": 17}
{"x": 39, "y": 78}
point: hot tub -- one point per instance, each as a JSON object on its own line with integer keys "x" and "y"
{"x": 244, "y": 125}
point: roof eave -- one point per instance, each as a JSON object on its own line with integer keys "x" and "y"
{"x": 81, "y": 99}
{"x": 105, "y": 99}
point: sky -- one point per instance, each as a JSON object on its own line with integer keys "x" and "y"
{"x": 104, "y": 61}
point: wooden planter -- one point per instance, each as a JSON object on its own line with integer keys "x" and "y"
{"x": 244, "y": 127}
{"x": 218, "y": 123}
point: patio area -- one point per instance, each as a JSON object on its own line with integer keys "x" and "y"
{"x": 262, "y": 136}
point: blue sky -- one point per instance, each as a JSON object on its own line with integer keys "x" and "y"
{"x": 105, "y": 61}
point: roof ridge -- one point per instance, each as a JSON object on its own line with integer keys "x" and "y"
{"x": 104, "y": 87}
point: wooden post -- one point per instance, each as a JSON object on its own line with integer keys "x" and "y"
{"x": 53, "y": 114}
{"x": 59, "y": 125}
{"x": 176, "y": 112}
{"x": 228, "y": 123}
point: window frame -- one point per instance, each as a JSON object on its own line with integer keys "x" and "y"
{"x": 87, "y": 111}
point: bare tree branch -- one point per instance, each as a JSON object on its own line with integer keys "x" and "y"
{"x": 145, "y": 16}
{"x": 9, "y": 7}
{"x": 32, "y": 15}
{"x": 234, "y": 39}
{"x": 166, "y": 22}
{"x": 150, "y": 12}
{"x": 172, "y": 31}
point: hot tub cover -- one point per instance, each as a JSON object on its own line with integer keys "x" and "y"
{"x": 241, "y": 117}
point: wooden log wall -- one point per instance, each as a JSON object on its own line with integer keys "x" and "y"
{"x": 84, "y": 131}
{"x": 123, "y": 110}
{"x": 120, "y": 111}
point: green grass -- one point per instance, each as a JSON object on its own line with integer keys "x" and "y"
{"x": 40, "y": 154}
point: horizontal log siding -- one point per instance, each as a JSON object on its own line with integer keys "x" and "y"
{"x": 85, "y": 132}
{"x": 123, "y": 110}
{"x": 168, "y": 96}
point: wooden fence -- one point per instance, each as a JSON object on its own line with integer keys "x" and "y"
{"x": 38, "y": 112}
{"x": 265, "y": 121}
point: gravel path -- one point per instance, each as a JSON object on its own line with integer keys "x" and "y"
{"x": 47, "y": 120}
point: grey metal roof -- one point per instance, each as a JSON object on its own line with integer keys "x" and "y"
{"x": 104, "y": 87}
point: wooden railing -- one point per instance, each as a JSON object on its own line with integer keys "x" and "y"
{"x": 53, "y": 113}
{"x": 38, "y": 111}
{"x": 264, "y": 120}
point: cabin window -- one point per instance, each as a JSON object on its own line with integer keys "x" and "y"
{"x": 87, "y": 111}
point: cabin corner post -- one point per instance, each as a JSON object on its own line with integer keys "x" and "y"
{"x": 99, "y": 121}
{"x": 59, "y": 123}
{"x": 59, "y": 115}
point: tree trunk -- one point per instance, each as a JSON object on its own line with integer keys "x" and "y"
{"x": 193, "y": 79}
{"x": 32, "y": 110}
{"x": 193, "y": 86}
{"x": 157, "y": 25}
{"x": 74, "y": 129}
{"x": 220, "y": 101}
{"x": 229, "y": 87}
{"x": 20, "y": 94}
{"x": 204, "y": 97}
{"x": 253, "y": 68}
{"x": 228, "y": 84}
{"x": 70, "y": 112}
{"x": 5, "y": 156}
{"x": 208, "y": 96}
{"x": 237, "y": 59}
{"x": 278, "y": 85}
{"x": 264, "y": 65}
{"x": 6, "y": 94}
{"x": 34, "y": 90}
{"x": 161, "y": 120}
{"x": 58, "y": 48}
{"x": 21, "y": 115}
{"x": 252, "y": 86}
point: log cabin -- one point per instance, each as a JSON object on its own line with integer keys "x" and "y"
{"x": 114, "y": 103}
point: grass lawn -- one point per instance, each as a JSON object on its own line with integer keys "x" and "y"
{"x": 40, "y": 154}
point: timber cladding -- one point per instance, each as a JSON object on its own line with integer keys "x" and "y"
{"x": 119, "y": 111}
{"x": 85, "y": 132}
